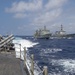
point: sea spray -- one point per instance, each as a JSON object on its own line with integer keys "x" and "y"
{"x": 20, "y": 44}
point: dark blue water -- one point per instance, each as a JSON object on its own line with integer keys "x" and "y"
{"x": 57, "y": 54}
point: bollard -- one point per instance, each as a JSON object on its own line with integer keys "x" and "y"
{"x": 24, "y": 57}
{"x": 45, "y": 71}
{"x": 32, "y": 64}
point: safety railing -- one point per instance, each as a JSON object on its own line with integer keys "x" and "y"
{"x": 30, "y": 64}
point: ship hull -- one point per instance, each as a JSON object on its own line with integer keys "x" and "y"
{"x": 47, "y": 36}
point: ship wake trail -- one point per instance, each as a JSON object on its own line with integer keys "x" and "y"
{"x": 24, "y": 43}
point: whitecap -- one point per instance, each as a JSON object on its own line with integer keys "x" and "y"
{"x": 67, "y": 64}
{"x": 20, "y": 44}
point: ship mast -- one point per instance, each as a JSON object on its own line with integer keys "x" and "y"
{"x": 61, "y": 27}
{"x": 44, "y": 27}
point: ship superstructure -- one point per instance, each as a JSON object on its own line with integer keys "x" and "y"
{"x": 61, "y": 32}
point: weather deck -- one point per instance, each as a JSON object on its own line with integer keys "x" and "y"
{"x": 9, "y": 65}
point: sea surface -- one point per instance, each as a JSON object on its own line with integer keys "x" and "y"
{"x": 57, "y": 54}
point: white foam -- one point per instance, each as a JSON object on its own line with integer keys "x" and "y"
{"x": 24, "y": 42}
{"x": 20, "y": 44}
{"x": 49, "y": 50}
{"x": 67, "y": 64}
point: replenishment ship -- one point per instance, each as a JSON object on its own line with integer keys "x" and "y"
{"x": 42, "y": 33}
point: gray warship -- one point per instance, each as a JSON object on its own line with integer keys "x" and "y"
{"x": 61, "y": 34}
{"x": 42, "y": 33}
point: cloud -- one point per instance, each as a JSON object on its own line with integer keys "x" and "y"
{"x": 23, "y": 6}
{"x": 19, "y": 15}
{"x": 38, "y": 12}
{"x": 51, "y": 11}
{"x": 48, "y": 16}
{"x": 55, "y": 4}
{"x": 21, "y": 9}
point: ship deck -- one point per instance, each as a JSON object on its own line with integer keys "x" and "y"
{"x": 9, "y": 65}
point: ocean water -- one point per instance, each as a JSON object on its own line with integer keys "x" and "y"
{"x": 57, "y": 54}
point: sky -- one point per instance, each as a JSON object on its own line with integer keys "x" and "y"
{"x": 24, "y": 17}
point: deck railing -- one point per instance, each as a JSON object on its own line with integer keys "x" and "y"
{"x": 30, "y": 64}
